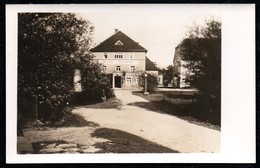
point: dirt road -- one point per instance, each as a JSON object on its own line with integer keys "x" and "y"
{"x": 162, "y": 129}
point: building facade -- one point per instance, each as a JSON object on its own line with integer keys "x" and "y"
{"x": 122, "y": 58}
{"x": 181, "y": 73}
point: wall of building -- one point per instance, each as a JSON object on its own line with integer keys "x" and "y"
{"x": 153, "y": 72}
{"x": 129, "y": 59}
{"x": 126, "y": 55}
{"x": 183, "y": 74}
{"x": 179, "y": 67}
{"x": 129, "y": 80}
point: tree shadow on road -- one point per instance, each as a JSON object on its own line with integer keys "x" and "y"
{"x": 111, "y": 103}
{"x": 157, "y": 106}
{"x": 190, "y": 113}
{"x": 146, "y": 105}
{"x": 124, "y": 142}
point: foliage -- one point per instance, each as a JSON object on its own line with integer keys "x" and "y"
{"x": 152, "y": 82}
{"x": 168, "y": 75}
{"x": 96, "y": 85}
{"x": 202, "y": 52}
{"x": 50, "y": 47}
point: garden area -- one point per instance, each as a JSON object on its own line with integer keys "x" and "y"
{"x": 185, "y": 105}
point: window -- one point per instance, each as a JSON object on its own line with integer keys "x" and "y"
{"x": 103, "y": 68}
{"x": 105, "y": 55}
{"x": 118, "y": 55}
{"x": 128, "y": 80}
{"x": 131, "y": 55}
{"x": 119, "y": 43}
{"x": 118, "y": 68}
{"x": 132, "y": 68}
{"x": 137, "y": 80}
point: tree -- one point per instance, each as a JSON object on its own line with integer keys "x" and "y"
{"x": 168, "y": 75}
{"x": 51, "y": 46}
{"x": 202, "y": 52}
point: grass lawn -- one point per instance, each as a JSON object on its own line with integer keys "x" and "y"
{"x": 123, "y": 142}
{"x": 184, "y": 108}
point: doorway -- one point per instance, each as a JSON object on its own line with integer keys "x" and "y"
{"x": 118, "y": 81}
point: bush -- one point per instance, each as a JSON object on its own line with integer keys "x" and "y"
{"x": 152, "y": 82}
{"x": 96, "y": 86}
{"x": 90, "y": 96}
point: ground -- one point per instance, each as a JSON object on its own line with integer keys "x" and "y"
{"x": 134, "y": 126}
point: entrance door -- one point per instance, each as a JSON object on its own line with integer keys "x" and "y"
{"x": 118, "y": 81}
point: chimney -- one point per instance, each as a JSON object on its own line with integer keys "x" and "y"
{"x": 116, "y": 30}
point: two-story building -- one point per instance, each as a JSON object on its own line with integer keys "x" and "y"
{"x": 122, "y": 58}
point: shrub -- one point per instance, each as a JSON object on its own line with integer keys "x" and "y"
{"x": 152, "y": 82}
{"x": 93, "y": 95}
{"x": 96, "y": 86}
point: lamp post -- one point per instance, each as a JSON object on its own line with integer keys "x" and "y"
{"x": 124, "y": 78}
{"x": 145, "y": 84}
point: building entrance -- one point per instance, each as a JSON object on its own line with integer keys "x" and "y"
{"x": 117, "y": 81}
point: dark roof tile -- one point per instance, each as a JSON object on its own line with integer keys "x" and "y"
{"x": 149, "y": 65}
{"x": 108, "y": 45}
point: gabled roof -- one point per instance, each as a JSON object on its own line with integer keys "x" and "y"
{"x": 108, "y": 45}
{"x": 149, "y": 65}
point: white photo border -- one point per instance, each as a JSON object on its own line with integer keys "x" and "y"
{"x": 238, "y": 87}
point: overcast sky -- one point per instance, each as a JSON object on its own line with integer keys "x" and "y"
{"x": 158, "y": 28}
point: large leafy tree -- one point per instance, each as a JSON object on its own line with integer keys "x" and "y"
{"x": 202, "y": 52}
{"x": 50, "y": 47}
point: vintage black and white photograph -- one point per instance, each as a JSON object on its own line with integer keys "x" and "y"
{"x": 119, "y": 80}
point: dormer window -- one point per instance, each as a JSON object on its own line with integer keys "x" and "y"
{"x": 119, "y": 43}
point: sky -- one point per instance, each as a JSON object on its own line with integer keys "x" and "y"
{"x": 158, "y": 28}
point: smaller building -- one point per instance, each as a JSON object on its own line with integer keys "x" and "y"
{"x": 151, "y": 68}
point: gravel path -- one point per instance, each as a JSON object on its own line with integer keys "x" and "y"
{"x": 162, "y": 129}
